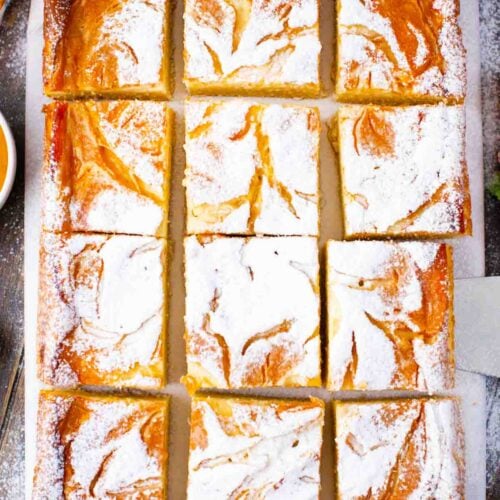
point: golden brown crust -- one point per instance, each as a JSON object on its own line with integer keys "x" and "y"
{"x": 252, "y": 47}
{"x": 264, "y": 341}
{"x": 251, "y": 169}
{"x": 107, "y": 167}
{"x": 390, "y": 316}
{"x": 97, "y": 48}
{"x": 252, "y": 448}
{"x": 100, "y": 446}
{"x": 101, "y": 314}
{"x": 406, "y": 53}
{"x": 390, "y": 188}
{"x": 399, "y": 441}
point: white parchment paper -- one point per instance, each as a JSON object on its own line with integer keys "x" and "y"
{"x": 469, "y": 252}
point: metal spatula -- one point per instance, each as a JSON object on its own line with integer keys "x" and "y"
{"x": 477, "y": 329}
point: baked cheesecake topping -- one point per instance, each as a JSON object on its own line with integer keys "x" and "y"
{"x": 101, "y": 313}
{"x": 107, "y": 167}
{"x": 404, "y": 170}
{"x": 100, "y": 448}
{"x": 103, "y": 45}
{"x": 252, "y": 41}
{"x": 390, "y": 316}
{"x": 255, "y": 449}
{"x": 405, "y": 449}
{"x": 251, "y": 168}
{"x": 252, "y": 312}
{"x": 404, "y": 47}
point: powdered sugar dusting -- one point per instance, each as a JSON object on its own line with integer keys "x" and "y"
{"x": 381, "y": 335}
{"x": 103, "y": 450}
{"x": 272, "y": 452}
{"x": 139, "y": 24}
{"x": 113, "y": 45}
{"x": 225, "y": 155}
{"x": 409, "y": 177}
{"x": 257, "y": 41}
{"x": 406, "y": 51}
{"x": 107, "y": 166}
{"x": 101, "y": 310}
{"x": 48, "y": 482}
{"x": 137, "y": 132}
{"x": 421, "y": 440}
{"x": 252, "y": 303}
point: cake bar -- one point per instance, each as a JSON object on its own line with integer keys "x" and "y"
{"x": 118, "y": 49}
{"x": 390, "y": 316}
{"x": 252, "y": 47}
{"x": 254, "y": 448}
{"x": 406, "y": 448}
{"x": 252, "y": 312}
{"x": 100, "y": 447}
{"x": 400, "y": 52}
{"x": 251, "y": 168}
{"x": 102, "y": 310}
{"x": 107, "y": 167}
{"x": 403, "y": 171}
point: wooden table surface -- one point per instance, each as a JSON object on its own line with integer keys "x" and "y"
{"x": 12, "y": 82}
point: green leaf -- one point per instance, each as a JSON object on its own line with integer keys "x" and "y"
{"x": 494, "y": 187}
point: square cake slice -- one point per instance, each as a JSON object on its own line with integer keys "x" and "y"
{"x": 118, "y": 49}
{"x": 404, "y": 448}
{"x": 102, "y": 310}
{"x": 403, "y": 171}
{"x": 254, "y": 448}
{"x": 91, "y": 446}
{"x": 251, "y": 168}
{"x": 107, "y": 167}
{"x": 252, "y": 47}
{"x": 390, "y": 316}
{"x": 400, "y": 52}
{"x": 252, "y": 312}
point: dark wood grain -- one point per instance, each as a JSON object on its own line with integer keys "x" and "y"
{"x": 12, "y": 73}
{"x": 12, "y": 449}
{"x": 490, "y": 87}
{"x": 12, "y": 81}
{"x": 12, "y": 78}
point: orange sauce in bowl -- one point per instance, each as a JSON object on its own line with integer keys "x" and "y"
{"x": 3, "y": 157}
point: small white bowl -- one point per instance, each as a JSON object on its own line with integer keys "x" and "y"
{"x": 6, "y": 188}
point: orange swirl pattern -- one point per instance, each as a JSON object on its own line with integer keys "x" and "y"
{"x": 429, "y": 323}
{"x": 86, "y": 335}
{"x": 222, "y": 54}
{"x": 96, "y": 47}
{"x": 264, "y": 191}
{"x": 247, "y": 448}
{"x": 415, "y": 448}
{"x": 229, "y": 345}
{"x": 411, "y": 49}
{"x": 390, "y": 187}
{"x": 107, "y": 150}
{"x": 100, "y": 447}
